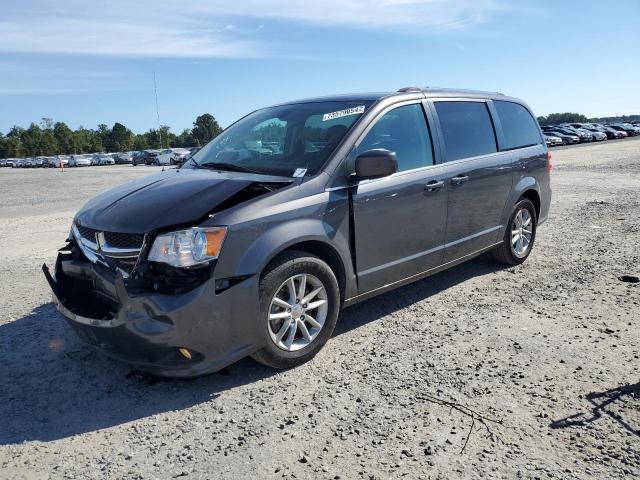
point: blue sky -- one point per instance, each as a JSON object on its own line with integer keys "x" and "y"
{"x": 87, "y": 63}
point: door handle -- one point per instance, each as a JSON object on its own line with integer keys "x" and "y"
{"x": 434, "y": 185}
{"x": 459, "y": 180}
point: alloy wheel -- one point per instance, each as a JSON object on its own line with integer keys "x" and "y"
{"x": 297, "y": 312}
{"x": 521, "y": 232}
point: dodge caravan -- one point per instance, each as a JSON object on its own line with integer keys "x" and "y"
{"x": 254, "y": 245}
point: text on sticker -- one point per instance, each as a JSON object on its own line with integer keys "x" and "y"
{"x": 343, "y": 113}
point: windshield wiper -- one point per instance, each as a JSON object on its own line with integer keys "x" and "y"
{"x": 230, "y": 167}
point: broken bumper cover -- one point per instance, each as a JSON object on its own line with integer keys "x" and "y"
{"x": 146, "y": 330}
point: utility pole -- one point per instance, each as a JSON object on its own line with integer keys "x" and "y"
{"x": 155, "y": 90}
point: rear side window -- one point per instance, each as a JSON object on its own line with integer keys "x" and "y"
{"x": 404, "y": 131}
{"x": 519, "y": 127}
{"x": 467, "y": 129}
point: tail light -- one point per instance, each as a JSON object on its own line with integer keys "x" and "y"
{"x": 549, "y": 164}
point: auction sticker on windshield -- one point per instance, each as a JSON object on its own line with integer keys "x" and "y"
{"x": 343, "y": 113}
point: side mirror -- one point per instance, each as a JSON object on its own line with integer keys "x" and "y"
{"x": 376, "y": 163}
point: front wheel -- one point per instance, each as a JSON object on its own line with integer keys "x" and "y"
{"x": 299, "y": 305}
{"x": 519, "y": 235}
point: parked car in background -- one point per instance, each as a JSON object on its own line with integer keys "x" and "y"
{"x": 567, "y": 139}
{"x": 146, "y": 157}
{"x": 552, "y": 141}
{"x": 628, "y": 128}
{"x": 165, "y": 157}
{"x": 565, "y": 130}
{"x": 192, "y": 152}
{"x": 123, "y": 158}
{"x": 598, "y": 136}
{"x": 104, "y": 159}
{"x": 584, "y": 135}
{"x": 79, "y": 161}
{"x": 3, "y": 162}
{"x": 172, "y": 156}
{"x": 612, "y": 133}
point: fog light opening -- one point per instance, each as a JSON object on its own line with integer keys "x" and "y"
{"x": 185, "y": 353}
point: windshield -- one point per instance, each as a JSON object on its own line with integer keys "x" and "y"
{"x": 286, "y": 140}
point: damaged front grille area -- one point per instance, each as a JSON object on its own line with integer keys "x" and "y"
{"x": 111, "y": 239}
{"x": 168, "y": 280}
{"x": 148, "y": 277}
{"x": 115, "y": 250}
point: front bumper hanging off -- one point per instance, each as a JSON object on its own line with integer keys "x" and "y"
{"x": 148, "y": 330}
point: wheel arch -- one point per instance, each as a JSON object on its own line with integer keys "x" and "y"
{"x": 532, "y": 195}
{"x": 325, "y": 252}
{"x": 527, "y": 187}
{"x": 313, "y": 236}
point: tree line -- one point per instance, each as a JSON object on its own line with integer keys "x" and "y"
{"x": 53, "y": 138}
{"x": 569, "y": 117}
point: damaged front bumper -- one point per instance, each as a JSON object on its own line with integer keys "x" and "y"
{"x": 148, "y": 329}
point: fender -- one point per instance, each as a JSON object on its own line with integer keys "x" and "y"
{"x": 285, "y": 235}
{"x": 522, "y": 185}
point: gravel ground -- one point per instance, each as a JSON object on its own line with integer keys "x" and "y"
{"x": 477, "y": 372}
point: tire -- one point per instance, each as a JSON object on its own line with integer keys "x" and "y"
{"x": 506, "y": 252}
{"x": 274, "y": 283}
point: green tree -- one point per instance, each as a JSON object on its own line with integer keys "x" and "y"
{"x": 120, "y": 138}
{"x": 32, "y": 140}
{"x": 49, "y": 144}
{"x": 140, "y": 143}
{"x": 46, "y": 123}
{"x": 567, "y": 117}
{"x": 64, "y": 137}
{"x": 81, "y": 140}
{"x": 205, "y": 128}
{"x": 185, "y": 139}
{"x": 14, "y": 142}
{"x": 4, "y": 146}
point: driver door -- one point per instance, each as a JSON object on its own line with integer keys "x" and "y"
{"x": 399, "y": 220}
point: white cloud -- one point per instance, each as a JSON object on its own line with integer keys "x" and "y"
{"x": 209, "y": 28}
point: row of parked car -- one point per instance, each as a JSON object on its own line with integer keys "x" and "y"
{"x": 570, "y": 133}
{"x": 168, "y": 156}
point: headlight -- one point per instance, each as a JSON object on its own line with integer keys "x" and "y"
{"x": 186, "y": 248}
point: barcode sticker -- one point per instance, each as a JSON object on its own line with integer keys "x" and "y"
{"x": 343, "y": 113}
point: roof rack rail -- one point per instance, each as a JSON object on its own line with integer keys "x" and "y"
{"x": 464, "y": 90}
{"x": 409, "y": 89}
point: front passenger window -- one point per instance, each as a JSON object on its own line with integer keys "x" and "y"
{"x": 404, "y": 131}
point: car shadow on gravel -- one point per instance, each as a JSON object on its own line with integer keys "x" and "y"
{"x": 52, "y": 386}
{"x": 601, "y": 404}
{"x": 385, "y": 304}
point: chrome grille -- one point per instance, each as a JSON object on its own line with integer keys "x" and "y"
{"x": 113, "y": 239}
{"x": 86, "y": 232}
{"x": 124, "y": 240}
{"x": 113, "y": 249}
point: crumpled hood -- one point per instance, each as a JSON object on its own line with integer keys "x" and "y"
{"x": 162, "y": 200}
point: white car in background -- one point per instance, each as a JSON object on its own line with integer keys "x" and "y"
{"x": 172, "y": 156}
{"x": 104, "y": 159}
{"x": 79, "y": 161}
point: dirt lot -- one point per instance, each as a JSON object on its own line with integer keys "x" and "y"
{"x": 478, "y": 372}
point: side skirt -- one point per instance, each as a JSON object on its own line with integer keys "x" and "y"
{"x": 414, "y": 278}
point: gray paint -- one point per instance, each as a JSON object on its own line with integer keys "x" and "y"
{"x": 384, "y": 232}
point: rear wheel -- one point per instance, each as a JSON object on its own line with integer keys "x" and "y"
{"x": 299, "y": 305}
{"x": 519, "y": 235}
